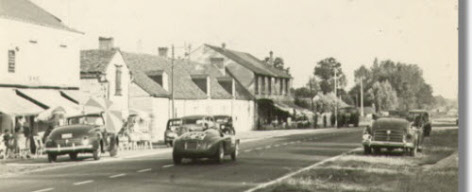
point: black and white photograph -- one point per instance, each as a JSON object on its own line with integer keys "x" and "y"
{"x": 230, "y": 95}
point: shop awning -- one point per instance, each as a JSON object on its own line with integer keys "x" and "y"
{"x": 47, "y": 98}
{"x": 13, "y": 104}
{"x": 75, "y": 95}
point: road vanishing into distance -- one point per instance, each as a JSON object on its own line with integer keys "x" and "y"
{"x": 258, "y": 162}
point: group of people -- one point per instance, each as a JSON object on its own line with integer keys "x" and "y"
{"x": 20, "y": 142}
{"x": 135, "y": 134}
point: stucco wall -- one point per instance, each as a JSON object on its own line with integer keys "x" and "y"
{"x": 40, "y": 59}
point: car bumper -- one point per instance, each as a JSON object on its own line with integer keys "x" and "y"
{"x": 83, "y": 148}
{"x": 387, "y": 144}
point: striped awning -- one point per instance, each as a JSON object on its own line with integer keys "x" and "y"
{"x": 13, "y": 104}
{"x": 47, "y": 98}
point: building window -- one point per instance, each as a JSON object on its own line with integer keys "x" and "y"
{"x": 118, "y": 87}
{"x": 11, "y": 61}
{"x": 281, "y": 86}
{"x": 269, "y": 85}
{"x": 263, "y": 85}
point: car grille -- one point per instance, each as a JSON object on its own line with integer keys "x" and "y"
{"x": 394, "y": 136}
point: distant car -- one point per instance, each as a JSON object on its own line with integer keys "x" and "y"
{"x": 421, "y": 119}
{"x": 226, "y": 123}
{"x": 83, "y": 134}
{"x": 179, "y": 126}
{"x": 392, "y": 133}
{"x": 346, "y": 116}
{"x": 210, "y": 143}
{"x": 171, "y": 130}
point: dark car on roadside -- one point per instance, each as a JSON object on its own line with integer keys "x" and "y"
{"x": 421, "y": 119}
{"x": 179, "y": 126}
{"x": 392, "y": 133}
{"x": 225, "y": 123}
{"x": 82, "y": 134}
{"x": 347, "y": 116}
{"x": 209, "y": 143}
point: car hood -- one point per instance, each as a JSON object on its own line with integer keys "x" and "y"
{"x": 391, "y": 124}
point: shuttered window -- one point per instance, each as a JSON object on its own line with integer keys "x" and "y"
{"x": 118, "y": 87}
{"x": 11, "y": 61}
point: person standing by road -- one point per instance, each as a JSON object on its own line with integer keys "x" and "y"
{"x": 22, "y": 137}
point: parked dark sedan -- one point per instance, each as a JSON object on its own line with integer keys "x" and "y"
{"x": 392, "y": 133}
{"x": 83, "y": 134}
{"x": 210, "y": 143}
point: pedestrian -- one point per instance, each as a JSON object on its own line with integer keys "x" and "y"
{"x": 22, "y": 134}
{"x": 9, "y": 143}
{"x": 315, "y": 120}
{"x": 325, "y": 121}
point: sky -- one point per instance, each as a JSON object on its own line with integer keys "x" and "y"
{"x": 302, "y": 32}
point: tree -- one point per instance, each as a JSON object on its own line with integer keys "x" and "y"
{"x": 384, "y": 95}
{"x": 279, "y": 63}
{"x": 324, "y": 70}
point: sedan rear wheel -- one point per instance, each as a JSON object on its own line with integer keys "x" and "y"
{"x": 73, "y": 156}
{"x": 177, "y": 159}
{"x": 52, "y": 157}
{"x": 367, "y": 150}
{"x": 235, "y": 152}
{"x": 220, "y": 155}
{"x": 97, "y": 153}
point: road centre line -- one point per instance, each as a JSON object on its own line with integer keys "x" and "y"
{"x": 268, "y": 147}
{"x": 144, "y": 170}
{"x": 44, "y": 190}
{"x": 263, "y": 185}
{"x": 167, "y": 166}
{"x": 247, "y": 150}
{"x": 117, "y": 175}
{"x": 83, "y": 182}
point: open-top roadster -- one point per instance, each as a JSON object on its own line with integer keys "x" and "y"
{"x": 210, "y": 143}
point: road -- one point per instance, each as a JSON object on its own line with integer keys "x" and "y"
{"x": 259, "y": 161}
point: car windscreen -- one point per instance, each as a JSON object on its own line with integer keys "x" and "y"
{"x": 189, "y": 121}
{"x": 88, "y": 120}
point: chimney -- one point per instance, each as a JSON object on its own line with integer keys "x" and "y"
{"x": 218, "y": 62}
{"x": 163, "y": 51}
{"x": 223, "y": 45}
{"x": 271, "y": 58}
{"x": 105, "y": 43}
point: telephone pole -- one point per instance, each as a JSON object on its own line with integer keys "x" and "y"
{"x": 172, "y": 83}
{"x": 362, "y": 97}
{"x": 336, "y": 99}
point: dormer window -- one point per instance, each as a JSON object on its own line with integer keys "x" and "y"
{"x": 228, "y": 84}
{"x": 11, "y": 61}
{"x": 160, "y": 77}
{"x": 203, "y": 82}
{"x": 118, "y": 87}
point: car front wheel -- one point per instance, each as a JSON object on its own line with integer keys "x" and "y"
{"x": 177, "y": 159}
{"x": 97, "y": 153}
{"x": 234, "y": 155}
{"x": 52, "y": 157}
{"x": 367, "y": 150}
{"x": 220, "y": 154}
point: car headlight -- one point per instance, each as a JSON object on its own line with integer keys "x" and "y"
{"x": 366, "y": 137}
{"x": 222, "y": 126}
{"x": 85, "y": 141}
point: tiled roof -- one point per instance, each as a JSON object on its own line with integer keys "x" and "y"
{"x": 250, "y": 62}
{"x": 95, "y": 61}
{"x": 184, "y": 86}
{"x": 26, "y": 11}
{"x": 149, "y": 85}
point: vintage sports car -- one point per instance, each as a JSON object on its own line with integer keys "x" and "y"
{"x": 83, "y": 134}
{"x": 226, "y": 123}
{"x": 210, "y": 143}
{"x": 178, "y": 126}
{"x": 392, "y": 133}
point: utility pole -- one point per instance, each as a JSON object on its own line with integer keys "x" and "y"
{"x": 362, "y": 97}
{"x": 336, "y": 99}
{"x": 172, "y": 84}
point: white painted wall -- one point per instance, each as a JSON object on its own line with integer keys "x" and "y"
{"x": 44, "y": 63}
{"x": 120, "y": 101}
{"x": 242, "y": 111}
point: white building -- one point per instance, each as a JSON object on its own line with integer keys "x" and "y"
{"x": 104, "y": 74}
{"x": 39, "y": 61}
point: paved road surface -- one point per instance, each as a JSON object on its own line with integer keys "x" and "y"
{"x": 259, "y": 161}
